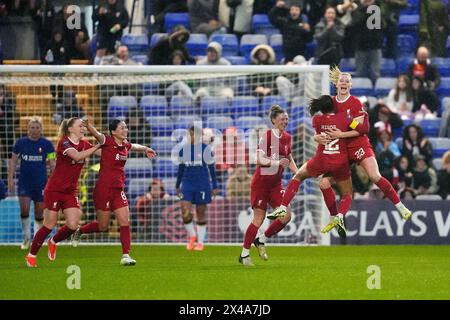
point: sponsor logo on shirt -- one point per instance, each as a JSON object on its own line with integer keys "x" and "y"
{"x": 30, "y": 158}
{"x": 120, "y": 157}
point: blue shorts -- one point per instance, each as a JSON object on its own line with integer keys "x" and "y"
{"x": 196, "y": 197}
{"x": 35, "y": 191}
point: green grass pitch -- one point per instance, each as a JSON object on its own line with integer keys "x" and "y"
{"x": 172, "y": 273}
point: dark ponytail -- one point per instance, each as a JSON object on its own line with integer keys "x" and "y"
{"x": 322, "y": 104}
{"x": 275, "y": 110}
{"x": 113, "y": 125}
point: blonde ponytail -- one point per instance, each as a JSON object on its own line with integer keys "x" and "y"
{"x": 335, "y": 73}
{"x": 64, "y": 128}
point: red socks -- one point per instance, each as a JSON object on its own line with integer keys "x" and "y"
{"x": 388, "y": 190}
{"x": 90, "y": 227}
{"x": 345, "y": 203}
{"x": 290, "y": 192}
{"x": 330, "y": 200}
{"x": 125, "y": 239}
{"x": 63, "y": 233}
{"x": 39, "y": 239}
{"x": 250, "y": 235}
{"x": 274, "y": 228}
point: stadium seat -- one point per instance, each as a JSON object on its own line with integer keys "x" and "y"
{"x": 444, "y": 88}
{"x": 163, "y": 145}
{"x": 185, "y": 122}
{"x": 138, "y": 168}
{"x": 237, "y": 60}
{"x": 362, "y": 87}
{"x": 443, "y": 65}
{"x": 348, "y": 65}
{"x": 310, "y": 49}
{"x": 276, "y": 42}
{"x": 249, "y": 41}
{"x": 138, "y": 187}
{"x": 406, "y": 45}
{"x": 448, "y": 46}
{"x": 155, "y": 38}
{"x": 244, "y": 106}
{"x": 243, "y": 87}
{"x": 161, "y": 126}
{"x": 430, "y": 197}
{"x": 262, "y": 25}
{"x": 164, "y": 168}
{"x": 229, "y": 42}
{"x": 118, "y": 106}
{"x": 154, "y": 106}
{"x": 180, "y": 105}
{"x": 268, "y": 101}
{"x": 437, "y": 163}
{"x": 93, "y": 45}
{"x": 430, "y": 127}
{"x": 197, "y": 44}
{"x": 169, "y": 185}
{"x": 215, "y": 105}
{"x": 408, "y": 23}
{"x": 445, "y": 104}
{"x": 383, "y": 86}
{"x": 246, "y": 123}
{"x": 136, "y": 43}
{"x": 440, "y": 146}
{"x": 219, "y": 122}
{"x": 141, "y": 59}
{"x": 388, "y": 68}
{"x": 403, "y": 64}
{"x": 173, "y": 19}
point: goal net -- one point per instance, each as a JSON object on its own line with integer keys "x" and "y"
{"x": 159, "y": 104}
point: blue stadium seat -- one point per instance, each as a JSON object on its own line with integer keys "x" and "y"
{"x": 93, "y": 45}
{"x": 237, "y": 60}
{"x": 185, "y": 122}
{"x": 163, "y": 145}
{"x": 268, "y": 101}
{"x": 437, "y": 163}
{"x": 408, "y": 23}
{"x": 413, "y": 8}
{"x": 362, "y": 87}
{"x": 310, "y": 49}
{"x": 262, "y": 25}
{"x": 448, "y": 46}
{"x": 141, "y": 58}
{"x": 249, "y": 41}
{"x": 430, "y": 127}
{"x": 138, "y": 168}
{"x": 161, "y": 126}
{"x": 154, "y": 106}
{"x": 173, "y": 19}
{"x": 197, "y": 44}
{"x": 444, "y": 88}
{"x": 388, "y": 68}
{"x": 229, "y": 42}
{"x": 445, "y": 103}
{"x": 118, "y": 106}
{"x": 276, "y": 42}
{"x": 164, "y": 168}
{"x": 243, "y": 87}
{"x": 150, "y": 89}
{"x": 384, "y": 85}
{"x": 403, "y": 64}
{"x": 246, "y": 123}
{"x": 138, "y": 187}
{"x": 348, "y": 65}
{"x": 180, "y": 105}
{"x": 219, "y": 122}
{"x": 244, "y": 106}
{"x": 406, "y": 45}
{"x": 215, "y": 105}
{"x": 136, "y": 43}
{"x": 443, "y": 65}
{"x": 155, "y": 38}
{"x": 169, "y": 185}
{"x": 440, "y": 146}
{"x": 298, "y": 108}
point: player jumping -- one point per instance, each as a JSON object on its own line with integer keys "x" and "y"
{"x": 61, "y": 190}
{"x": 109, "y": 192}
{"x": 272, "y": 156}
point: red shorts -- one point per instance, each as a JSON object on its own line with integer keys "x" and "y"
{"x": 55, "y": 201}
{"x": 358, "y": 154}
{"x": 316, "y": 167}
{"x": 261, "y": 196}
{"x": 109, "y": 199}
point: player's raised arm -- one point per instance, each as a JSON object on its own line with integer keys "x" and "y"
{"x": 149, "y": 151}
{"x": 81, "y": 155}
{"x": 100, "y": 137}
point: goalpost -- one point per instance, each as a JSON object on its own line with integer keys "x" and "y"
{"x": 159, "y": 103}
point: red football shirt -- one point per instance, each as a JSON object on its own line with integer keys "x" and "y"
{"x": 67, "y": 171}
{"x": 334, "y": 152}
{"x": 274, "y": 147}
{"x": 353, "y": 109}
{"x": 112, "y": 163}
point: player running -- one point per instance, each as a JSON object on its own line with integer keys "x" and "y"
{"x": 61, "y": 190}
{"x": 272, "y": 156}
{"x": 330, "y": 159}
{"x": 359, "y": 148}
{"x": 109, "y": 194}
{"x": 196, "y": 168}
{"x": 35, "y": 153}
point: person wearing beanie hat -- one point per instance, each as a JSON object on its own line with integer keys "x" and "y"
{"x": 214, "y": 56}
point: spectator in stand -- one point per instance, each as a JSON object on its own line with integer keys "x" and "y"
{"x": 293, "y": 26}
{"x": 262, "y": 6}
{"x": 425, "y": 101}
{"x": 434, "y": 26}
{"x": 444, "y": 176}
{"x": 68, "y": 108}
{"x": 329, "y": 33}
{"x": 264, "y": 84}
{"x": 57, "y": 49}
{"x": 403, "y": 173}
{"x": 236, "y": 15}
{"x": 161, "y": 7}
{"x": 368, "y": 42}
{"x": 178, "y": 87}
{"x": 381, "y": 118}
{"x": 238, "y": 184}
{"x": 385, "y": 143}
{"x": 344, "y": 10}
{"x": 120, "y": 58}
{"x": 424, "y": 177}
{"x": 214, "y": 56}
{"x": 314, "y": 10}
{"x": 407, "y": 194}
{"x": 292, "y": 85}
{"x": 424, "y": 69}
{"x": 386, "y": 152}
{"x": 400, "y": 98}
{"x": 112, "y": 18}
{"x": 204, "y": 16}
{"x": 390, "y": 12}
{"x": 162, "y": 52}
{"x": 138, "y": 129}
{"x": 44, "y": 20}
{"x": 414, "y": 144}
